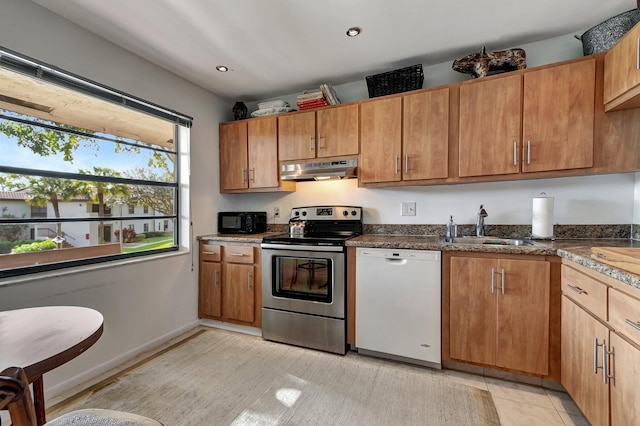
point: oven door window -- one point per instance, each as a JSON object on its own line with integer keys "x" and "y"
{"x": 303, "y": 278}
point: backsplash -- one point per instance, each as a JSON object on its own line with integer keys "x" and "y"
{"x": 509, "y": 231}
{"x": 506, "y": 231}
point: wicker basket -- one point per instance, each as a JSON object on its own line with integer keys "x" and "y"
{"x": 397, "y": 81}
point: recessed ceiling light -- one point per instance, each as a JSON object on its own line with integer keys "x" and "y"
{"x": 222, "y": 68}
{"x": 353, "y": 31}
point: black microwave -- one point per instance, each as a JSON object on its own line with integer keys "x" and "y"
{"x": 242, "y": 222}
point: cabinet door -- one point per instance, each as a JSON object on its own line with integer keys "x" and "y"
{"x": 233, "y": 155}
{"x": 337, "y": 131}
{"x": 558, "y": 117}
{"x": 210, "y": 294}
{"x": 296, "y": 136}
{"x": 472, "y": 312}
{"x": 489, "y": 139}
{"x": 239, "y": 292}
{"x": 523, "y": 315}
{"x": 586, "y": 388}
{"x": 263, "y": 153}
{"x": 380, "y": 140}
{"x": 625, "y": 366}
{"x": 621, "y": 71}
{"x": 425, "y": 135}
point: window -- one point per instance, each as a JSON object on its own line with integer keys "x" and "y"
{"x": 38, "y": 211}
{"x": 71, "y": 148}
{"x": 146, "y": 227}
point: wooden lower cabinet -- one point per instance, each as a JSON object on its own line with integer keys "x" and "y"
{"x": 230, "y": 283}
{"x": 579, "y": 329}
{"x": 601, "y": 347}
{"x": 499, "y": 312}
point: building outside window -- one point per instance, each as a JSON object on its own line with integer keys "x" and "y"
{"x": 49, "y": 124}
{"x": 145, "y": 209}
{"x": 146, "y": 227}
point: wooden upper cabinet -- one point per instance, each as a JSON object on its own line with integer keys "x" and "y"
{"x": 233, "y": 155}
{"x": 622, "y": 73}
{"x": 337, "y": 131}
{"x": 425, "y": 135}
{"x": 558, "y": 117}
{"x": 380, "y": 140}
{"x": 328, "y": 132}
{"x": 263, "y": 153}
{"x": 296, "y": 136}
{"x": 490, "y": 129}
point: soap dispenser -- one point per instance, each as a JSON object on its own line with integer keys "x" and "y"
{"x": 452, "y": 230}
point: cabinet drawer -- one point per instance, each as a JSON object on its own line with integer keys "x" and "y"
{"x": 238, "y": 254}
{"x": 585, "y": 290}
{"x": 210, "y": 252}
{"x": 624, "y": 314}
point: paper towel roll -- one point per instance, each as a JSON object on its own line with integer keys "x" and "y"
{"x": 542, "y": 221}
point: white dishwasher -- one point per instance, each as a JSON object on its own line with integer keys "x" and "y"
{"x": 398, "y": 304}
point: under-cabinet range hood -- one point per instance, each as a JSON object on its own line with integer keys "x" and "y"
{"x": 320, "y": 170}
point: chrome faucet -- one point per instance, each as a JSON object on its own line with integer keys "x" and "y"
{"x": 482, "y": 213}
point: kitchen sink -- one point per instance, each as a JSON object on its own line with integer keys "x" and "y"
{"x": 494, "y": 241}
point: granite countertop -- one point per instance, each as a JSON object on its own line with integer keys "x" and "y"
{"x": 236, "y": 238}
{"x": 576, "y": 250}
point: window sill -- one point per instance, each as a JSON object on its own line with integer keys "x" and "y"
{"x": 87, "y": 268}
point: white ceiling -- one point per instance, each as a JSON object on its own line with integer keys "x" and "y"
{"x": 276, "y": 47}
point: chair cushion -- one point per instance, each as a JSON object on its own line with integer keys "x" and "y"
{"x": 98, "y": 417}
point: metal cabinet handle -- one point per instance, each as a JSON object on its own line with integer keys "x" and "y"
{"x": 635, "y": 325}
{"x": 406, "y": 163}
{"x": 502, "y": 280}
{"x": 243, "y": 175}
{"x": 215, "y": 278}
{"x": 236, "y": 254}
{"x": 252, "y": 174}
{"x": 515, "y": 153}
{"x": 528, "y": 152}
{"x": 577, "y": 289}
{"x": 310, "y": 143}
{"x": 248, "y": 280}
{"x": 320, "y": 138}
{"x": 397, "y": 168}
{"x": 208, "y": 252}
{"x": 595, "y": 355}
{"x": 605, "y": 368}
{"x": 493, "y": 274}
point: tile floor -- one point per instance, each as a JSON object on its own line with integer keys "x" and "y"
{"x": 517, "y": 404}
{"x": 520, "y": 404}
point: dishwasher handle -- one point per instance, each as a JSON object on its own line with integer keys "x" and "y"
{"x": 395, "y": 261}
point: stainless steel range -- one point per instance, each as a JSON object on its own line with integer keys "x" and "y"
{"x": 304, "y": 278}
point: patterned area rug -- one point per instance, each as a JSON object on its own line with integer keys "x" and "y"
{"x": 218, "y": 377}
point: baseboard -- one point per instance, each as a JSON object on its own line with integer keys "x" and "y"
{"x": 87, "y": 375}
{"x": 253, "y": 331}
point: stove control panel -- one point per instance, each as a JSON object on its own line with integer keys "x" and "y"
{"x": 327, "y": 213}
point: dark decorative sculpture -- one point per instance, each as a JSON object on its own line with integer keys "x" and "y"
{"x": 479, "y": 64}
{"x": 239, "y": 111}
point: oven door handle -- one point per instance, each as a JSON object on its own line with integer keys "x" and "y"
{"x": 297, "y": 247}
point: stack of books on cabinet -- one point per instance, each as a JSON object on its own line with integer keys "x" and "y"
{"x": 317, "y": 98}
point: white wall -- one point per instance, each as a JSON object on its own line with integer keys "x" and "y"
{"x": 142, "y": 302}
{"x": 606, "y": 199}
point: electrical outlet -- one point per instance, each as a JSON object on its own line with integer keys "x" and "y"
{"x": 408, "y": 209}
{"x": 276, "y": 212}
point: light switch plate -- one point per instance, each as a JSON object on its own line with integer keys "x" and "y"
{"x": 408, "y": 209}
